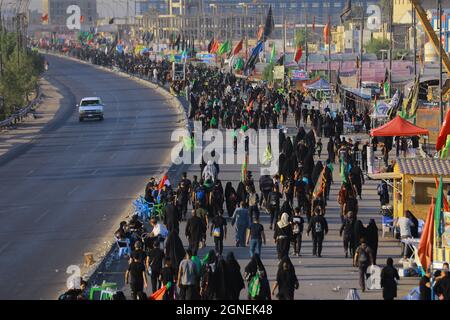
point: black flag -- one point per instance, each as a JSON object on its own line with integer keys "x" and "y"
{"x": 280, "y": 61}
{"x": 269, "y": 26}
{"x": 210, "y": 45}
{"x": 177, "y": 43}
{"x": 346, "y": 12}
{"x": 111, "y": 21}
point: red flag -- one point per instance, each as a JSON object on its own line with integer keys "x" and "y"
{"x": 81, "y": 19}
{"x": 314, "y": 24}
{"x": 162, "y": 182}
{"x": 45, "y": 17}
{"x": 425, "y": 250}
{"x": 326, "y": 32}
{"x": 159, "y": 294}
{"x": 215, "y": 46}
{"x": 298, "y": 55}
{"x": 444, "y": 132}
{"x": 238, "y": 47}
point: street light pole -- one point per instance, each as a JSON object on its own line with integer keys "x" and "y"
{"x": 441, "y": 104}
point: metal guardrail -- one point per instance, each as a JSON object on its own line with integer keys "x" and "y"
{"x": 17, "y": 117}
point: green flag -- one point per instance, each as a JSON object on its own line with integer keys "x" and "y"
{"x": 277, "y": 107}
{"x": 386, "y": 89}
{"x": 224, "y": 48}
{"x": 438, "y": 211}
{"x": 273, "y": 54}
{"x": 239, "y": 65}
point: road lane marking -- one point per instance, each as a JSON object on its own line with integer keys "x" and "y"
{"x": 94, "y": 172}
{"x": 30, "y": 173}
{"x": 42, "y": 216}
{"x": 73, "y": 190}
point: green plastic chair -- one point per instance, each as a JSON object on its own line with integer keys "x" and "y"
{"x": 107, "y": 294}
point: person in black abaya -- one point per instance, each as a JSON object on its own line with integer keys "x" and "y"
{"x": 221, "y": 280}
{"x": 287, "y": 147}
{"x": 209, "y": 283}
{"x": 359, "y": 232}
{"x": 316, "y": 172}
{"x": 286, "y": 280}
{"x": 372, "y": 238}
{"x": 282, "y": 160}
{"x": 283, "y": 235}
{"x": 311, "y": 139}
{"x": 330, "y": 149}
{"x": 231, "y": 199}
{"x": 235, "y": 281}
{"x": 308, "y": 164}
{"x": 174, "y": 250}
{"x": 241, "y": 193}
{"x": 255, "y": 266}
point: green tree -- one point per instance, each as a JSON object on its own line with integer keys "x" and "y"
{"x": 375, "y": 45}
{"x": 21, "y": 71}
{"x": 300, "y": 37}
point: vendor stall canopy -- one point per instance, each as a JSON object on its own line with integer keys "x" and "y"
{"x": 398, "y": 127}
{"x": 320, "y": 84}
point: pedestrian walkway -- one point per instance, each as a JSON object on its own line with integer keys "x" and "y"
{"x": 329, "y": 277}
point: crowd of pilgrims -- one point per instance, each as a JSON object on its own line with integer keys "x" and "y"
{"x": 222, "y": 100}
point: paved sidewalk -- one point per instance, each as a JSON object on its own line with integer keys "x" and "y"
{"x": 319, "y": 277}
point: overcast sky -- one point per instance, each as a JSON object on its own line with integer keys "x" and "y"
{"x": 106, "y": 8}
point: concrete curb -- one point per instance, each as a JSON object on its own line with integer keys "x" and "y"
{"x": 92, "y": 274}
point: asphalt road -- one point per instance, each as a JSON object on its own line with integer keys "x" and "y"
{"x": 64, "y": 193}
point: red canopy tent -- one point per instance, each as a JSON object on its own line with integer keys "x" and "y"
{"x": 398, "y": 127}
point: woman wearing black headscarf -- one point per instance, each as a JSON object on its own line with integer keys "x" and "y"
{"x": 241, "y": 193}
{"x": 287, "y": 147}
{"x": 174, "y": 249}
{"x": 372, "y": 238}
{"x": 316, "y": 172}
{"x": 360, "y": 232}
{"x": 286, "y": 280}
{"x": 231, "y": 199}
{"x": 256, "y": 268}
{"x": 330, "y": 149}
{"x": 308, "y": 164}
{"x": 222, "y": 280}
{"x": 235, "y": 282}
{"x": 209, "y": 283}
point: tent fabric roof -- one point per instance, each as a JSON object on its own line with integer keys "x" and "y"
{"x": 398, "y": 127}
{"x": 319, "y": 84}
{"x": 424, "y": 166}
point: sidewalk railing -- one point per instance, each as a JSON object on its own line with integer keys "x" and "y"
{"x": 19, "y": 115}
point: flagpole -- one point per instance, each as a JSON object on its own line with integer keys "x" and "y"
{"x": 306, "y": 41}
{"x": 391, "y": 43}
{"x": 361, "y": 47}
{"x": 284, "y": 49}
{"x": 329, "y": 52}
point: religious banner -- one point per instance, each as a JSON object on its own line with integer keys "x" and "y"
{"x": 278, "y": 73}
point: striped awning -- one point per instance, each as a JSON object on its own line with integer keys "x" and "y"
{"x": 424, "y": 166}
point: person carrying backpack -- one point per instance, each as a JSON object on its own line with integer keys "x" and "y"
{"x": 318, "y": 227}
{"x": 274, "y": 205}
{"x": 363, "y": 259}
{"x": 297, "y": 230}
{"x": 347, "y": 228}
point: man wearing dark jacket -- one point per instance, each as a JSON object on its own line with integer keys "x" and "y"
{"x": 172, "y": 217}
{"x": 274, "y": 205}
{"x": 195, "y": 229}
{"x": 318, "y": 226}
{"x": 347, "y": 229}
{"x": 363, "y": 259}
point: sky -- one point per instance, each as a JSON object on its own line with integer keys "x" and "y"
{"x": 106, "y": 8}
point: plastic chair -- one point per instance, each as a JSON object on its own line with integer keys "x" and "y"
{"x": 387, "y": 225}
{"x": 102, "y": 287}
{"x": 107, "y": 294}
{"x": 124, "y": 248}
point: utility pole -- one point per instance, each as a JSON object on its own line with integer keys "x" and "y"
{"x": 306, "y": 41}
{"x": 414, "y": 22}
{"x": 361, "y": 47}
{"x": 441, "y": 104}
{"x": 391, "y": 43}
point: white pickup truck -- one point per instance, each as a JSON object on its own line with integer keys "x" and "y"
{"x": 90, "y": 108}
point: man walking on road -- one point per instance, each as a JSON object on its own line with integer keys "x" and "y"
{"x": 241, "y": 221}
{"x": 363, "y": 259}
{"x": 195, "y": 229}
{"x": 256, "y": 237}
{"x": 297, "y": 230}
{"x": 135, "y": 276}
{"x": 187, "y": 278}
{"x": 347, "y": 228}
{"x": 219, "y": 231}
{"x": 319, "y": 228}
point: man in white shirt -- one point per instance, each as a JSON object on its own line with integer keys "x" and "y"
{"x": 404, "y": 224}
